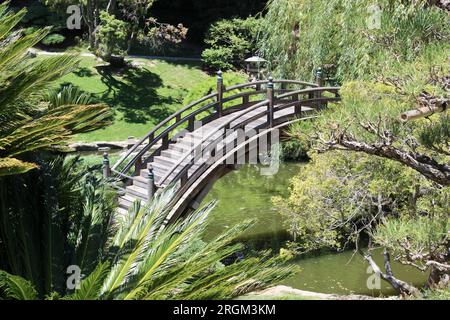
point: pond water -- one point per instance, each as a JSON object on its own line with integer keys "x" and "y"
{"x": 246, "y": 194}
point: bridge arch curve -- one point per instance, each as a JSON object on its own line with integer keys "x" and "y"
{"x": 201, "y": 142}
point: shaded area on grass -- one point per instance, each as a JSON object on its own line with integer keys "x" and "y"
{"x": 140, "y": 96}
{"x": 136, "y": 95}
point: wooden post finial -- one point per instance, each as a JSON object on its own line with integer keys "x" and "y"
{"x": 319, "y": 76}
{"x": 270, "y": 84}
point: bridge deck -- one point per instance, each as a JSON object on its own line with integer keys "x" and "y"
{"x": 169, "y": 159}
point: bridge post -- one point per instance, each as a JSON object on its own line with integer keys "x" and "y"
{"x": 184, "y": 178}
{"x": 320, "y": 83}
{"x": 319, "y": 77}
{"x": 298, "y": 107}
{"x": 151, "y": 188}
{"x": 165, "y": 141}
{"x": 106, "y": 166}
{"x": 219, "y": 107}
{"x": 271, "y": 98}
{"x": 138, "y": 165}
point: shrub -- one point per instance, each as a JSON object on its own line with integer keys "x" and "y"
{"x": 112, "y": 36}
{"x": 230, "y": 42}
{"x": 218, "y": 59}
{"x": 53, "y": 39}
{"x": 30, "y": 30}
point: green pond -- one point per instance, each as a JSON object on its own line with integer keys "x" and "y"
{"x": 246, "y": 194}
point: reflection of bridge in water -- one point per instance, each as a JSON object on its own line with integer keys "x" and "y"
{"x": 198, "y": 144}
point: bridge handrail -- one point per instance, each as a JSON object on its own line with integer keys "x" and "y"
{"x": 177, "y": 114}
{"x": 228, "y": 122}
{"x": 260, "y": 82}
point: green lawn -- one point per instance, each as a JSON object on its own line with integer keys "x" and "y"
{"x": 140, "y": 97}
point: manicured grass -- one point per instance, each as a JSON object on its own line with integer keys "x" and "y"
{"x": 92, "y": 159}
{"x": 140, "y": 97}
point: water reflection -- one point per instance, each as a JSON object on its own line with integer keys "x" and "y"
{"x": 245, "y": 194}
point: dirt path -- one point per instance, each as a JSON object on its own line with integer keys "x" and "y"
{"x": 88, "y": 54}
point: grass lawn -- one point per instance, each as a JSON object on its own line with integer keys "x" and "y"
{"x": 140, "y": 97}
{"x": 92, "y": 159}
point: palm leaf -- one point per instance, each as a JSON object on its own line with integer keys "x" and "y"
{"x": 12, "y": 166}
{"x": 68, "y": 95}
{"x": 9, "y": 20}
{"x": 16, "y": 288}
{"x": 91, "y": 286}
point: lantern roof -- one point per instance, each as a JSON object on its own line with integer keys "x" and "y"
{"x": 255, "y": 59}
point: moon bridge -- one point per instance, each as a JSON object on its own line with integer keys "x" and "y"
{"x": 201, "y": 142}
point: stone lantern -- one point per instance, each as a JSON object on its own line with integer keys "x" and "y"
{"x": 255, "y": 67}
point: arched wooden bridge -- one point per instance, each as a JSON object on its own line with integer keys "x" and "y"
{"x": 191, "y": 149}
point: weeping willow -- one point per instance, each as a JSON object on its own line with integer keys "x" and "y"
{"x": 350, "y": 39}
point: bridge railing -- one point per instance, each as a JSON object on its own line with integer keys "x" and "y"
{"x": 159, "y": 137}
{"x": 314, "y": 97}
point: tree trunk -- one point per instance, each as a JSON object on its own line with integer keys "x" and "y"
{"x": 89, "y": 12}
{"x": 130, "y": 41}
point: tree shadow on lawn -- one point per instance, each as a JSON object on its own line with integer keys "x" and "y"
{"x": 134, "y": 93}
{"x": 83, "y": 72}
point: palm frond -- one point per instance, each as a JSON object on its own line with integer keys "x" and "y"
{"x": 146, "y": 223}
{"x": 12, "y": 166}
{"x": 16, "y": 288}
{"x": 91, "y": 286}
{"x": 9, "y": 19}
{"x": 68, "y": 95}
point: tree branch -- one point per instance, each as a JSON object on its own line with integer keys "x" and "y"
{"x": 399, "y": 285}
{"x": 430, "y": 168}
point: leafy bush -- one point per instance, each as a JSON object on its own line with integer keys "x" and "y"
{"x": 40, "y": 15}
{"x": 218, "y": 59}
{"x": 30, "y": 30}
{"x": 230, "y": 42}
{"x": 112, "y": 36}
{"x": 293, "y": 150}
{"x": 338, "y": 190}
{"x": 53, "y": 39}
